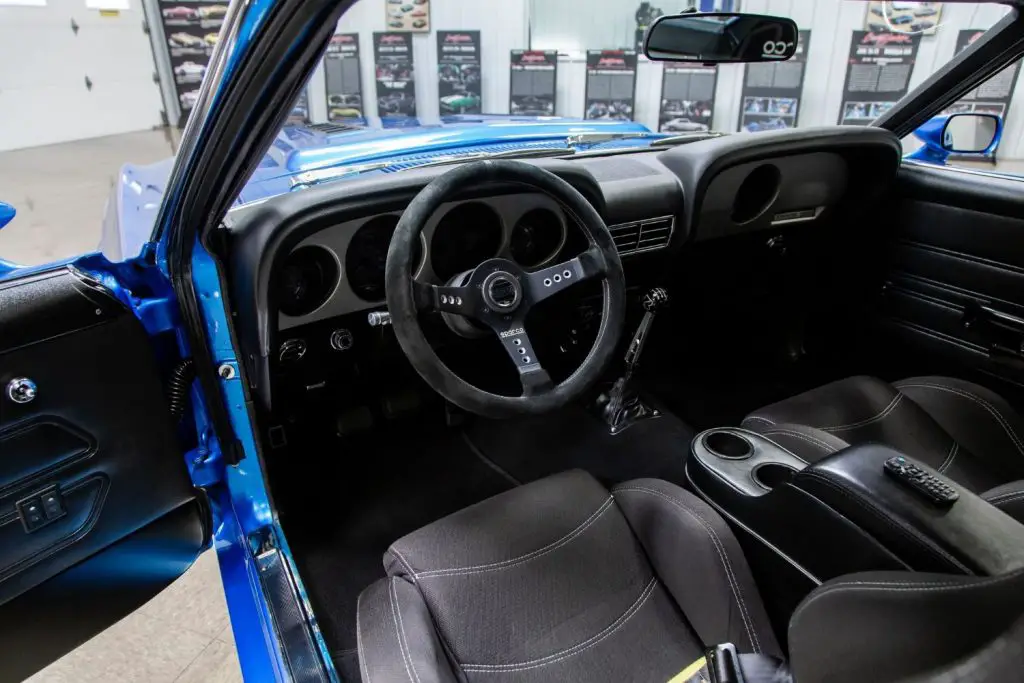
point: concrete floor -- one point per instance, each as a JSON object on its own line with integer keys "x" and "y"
{"x": 60, "y": 192}
{"x": 183, "y": 634}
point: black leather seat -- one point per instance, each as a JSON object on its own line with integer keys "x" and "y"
{"x": 961, "y": 429}
{"x": 560, "y": 580}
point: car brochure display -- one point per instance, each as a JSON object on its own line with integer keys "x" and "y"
{"x": 407, "y": 15}
{"x": 921, "y": 18}
{"x": 611, "y": 84}
{"x": 458, "y": 71}
{"x": 532, "y": 83}
{"x": 342, "y": 72}
{"x": 190, "y": 29}
{"x": 771, "y": 91}
{"x": 994, "y": 95}
{"x": 396, "y": 90}
{"x": 877, "y": 74}
{"x": 687, "y": 97}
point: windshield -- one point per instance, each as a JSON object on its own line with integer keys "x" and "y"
{"x": 392, "y": 61}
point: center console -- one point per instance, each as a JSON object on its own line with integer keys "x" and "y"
{"x": 851, "y": 511}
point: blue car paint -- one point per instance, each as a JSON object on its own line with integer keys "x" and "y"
{"x": 933, "y": 151}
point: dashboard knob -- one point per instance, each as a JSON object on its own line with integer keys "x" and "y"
{"x": 21, "y": 390}
{"x": 291, "y": 351}
{"x": 341, "y": 340}
{"x": 379, "y": 319}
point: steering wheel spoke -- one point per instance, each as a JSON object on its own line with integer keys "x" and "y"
{"x": 549, "y": 281}
{"x": 532, "y": 374}
{"x": 445, "y": 299}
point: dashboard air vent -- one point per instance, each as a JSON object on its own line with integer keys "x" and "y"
{"x": 633, "y": 238}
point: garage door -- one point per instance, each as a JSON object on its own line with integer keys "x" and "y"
{"x": 58, "y": 84}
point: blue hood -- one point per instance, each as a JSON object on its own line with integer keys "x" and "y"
{"x": 298, "y": 149}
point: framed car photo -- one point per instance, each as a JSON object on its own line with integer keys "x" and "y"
{"x": 407, "y": 15}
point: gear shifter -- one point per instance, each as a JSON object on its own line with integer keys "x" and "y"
{"x": 621, "y": 406}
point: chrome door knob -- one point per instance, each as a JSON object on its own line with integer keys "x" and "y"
{"x": 21, "y": 390}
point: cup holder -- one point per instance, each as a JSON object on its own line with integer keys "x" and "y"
{"x": 772, "y": 474}
{"x": 728, "y": 445}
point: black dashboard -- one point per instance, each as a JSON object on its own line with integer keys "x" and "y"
{"x": 305, "y": 259}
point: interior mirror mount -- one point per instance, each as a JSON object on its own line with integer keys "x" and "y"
{"x": 971, "y": 133}
{"x": 720, "y": 38}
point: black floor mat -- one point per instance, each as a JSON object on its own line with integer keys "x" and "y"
{"x": 385, "y": 487}
{"x": 535, "y": 447}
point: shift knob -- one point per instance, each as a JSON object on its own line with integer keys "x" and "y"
{"x": 654, "y": 299}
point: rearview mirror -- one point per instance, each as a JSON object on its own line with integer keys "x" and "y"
{"x": 721, "y": 37}
{"x": 969, "y": 133}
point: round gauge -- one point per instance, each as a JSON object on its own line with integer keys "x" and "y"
{"x": 305, "y": 281}
{"x": 536, "y": 238}
{"x": 368, "y": 253}
{"x": 467, "y": 235}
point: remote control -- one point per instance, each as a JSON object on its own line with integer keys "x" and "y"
{"x": 937, "y": 491}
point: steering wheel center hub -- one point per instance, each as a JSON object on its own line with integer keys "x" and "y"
{"x": 502, "y": 292}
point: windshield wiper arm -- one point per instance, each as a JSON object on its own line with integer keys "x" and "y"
{"x": 309, "y": 178}
{"x": 584, "y": 139}
{"x": 686, "y": 137}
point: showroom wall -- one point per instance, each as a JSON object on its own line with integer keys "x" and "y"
{"x": 572, "y": 26}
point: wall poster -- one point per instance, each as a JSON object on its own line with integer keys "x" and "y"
{"x": 458, "y": 72}
{"x": 191, "y": 30}
{"x": 903, "y": 17}
{"x": 687, "y": 97}
{"x": 771, "y": 91}
{"x": 396, "y": 91}
{"x": 532, "y": 82}
{"x": 408, "y": 15}
{"x": 877, "y": 74}
{"x": 344, "y": 83}
{"x": 611, "y": 84}
{"x": 994, "y": 95}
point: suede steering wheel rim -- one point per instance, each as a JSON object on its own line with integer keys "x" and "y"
{"x": 498, "y": 294}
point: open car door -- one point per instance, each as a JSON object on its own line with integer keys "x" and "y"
{"x": 97, "y": 510}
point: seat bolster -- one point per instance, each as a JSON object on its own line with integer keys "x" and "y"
{"x": 887, "y": 626}
{"x": 396, "y": 636}
{"x": 1009, "y": 498}
{"x": 697, "y": 558}
{"x": 979, "y": 419}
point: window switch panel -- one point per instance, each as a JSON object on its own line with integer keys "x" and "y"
{"x": 41, "y": 508}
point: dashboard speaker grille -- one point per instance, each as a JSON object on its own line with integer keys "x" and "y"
{"x": 633, "y": 238}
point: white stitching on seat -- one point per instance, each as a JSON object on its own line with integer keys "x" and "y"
{"x": 1006, "y": 498}
{"x": 981, "y": 402}
{"x": 949, "y": 458}
{"x": 396, "y": 616}
{"x": 722, "y": 555}
{"x": 364, "y": 669}
{"x": 894, "y": 587}
{"x": 804, "y": 437}
{"x": 504, "y": 564}
{"x": 575, "y": 649}
{"x": 759, "y": 418}
{"x": 863, "y": 423}
{"x": 405, "y": 563}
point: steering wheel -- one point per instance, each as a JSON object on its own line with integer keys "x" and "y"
{"x": 499, "y": 293}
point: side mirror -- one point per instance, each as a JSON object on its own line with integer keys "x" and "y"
{"x": 721, "y": 37}
{"x": 6, "y": 213}
{"x": 969, "y": 133}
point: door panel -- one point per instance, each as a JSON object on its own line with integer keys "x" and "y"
{"x": 94, "y": 492}
{"x": 958, "y": 246}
